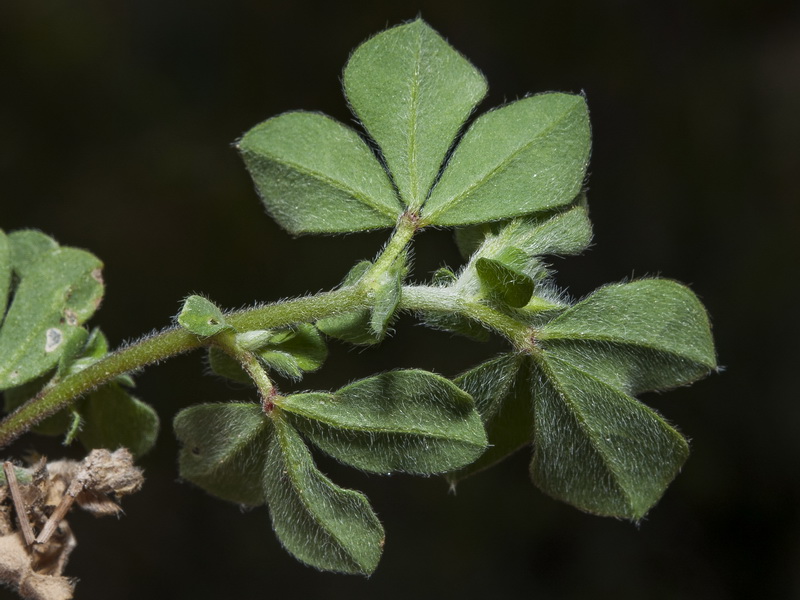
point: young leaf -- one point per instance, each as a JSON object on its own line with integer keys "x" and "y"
{"x": 650, "y": 334}
{"x": 597, "y": 448}
{"x": 111, "y": 418}
{"x": 387, "y": 296}
{"x": 225, "y": 449}
{"x": 356, "y": 326}
{"x": 317, "y": 176}
{"x": 318, "y": 522}
{"x": 412, "y": 92}
{"x": 303, "y": 343}
{"x": 202, "y": 317}
{"x": 561, "y": 232}
{"x": 502, "y": 394}
{"x": 410, "y": 421}
{"x": 58, "y": 289}
{"x": 528, "y": 156}
{"x": 503, "y": 283}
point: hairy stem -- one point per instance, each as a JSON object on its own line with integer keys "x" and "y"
{"x": 165, "y": 344}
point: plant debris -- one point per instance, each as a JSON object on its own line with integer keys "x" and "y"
{"x": 38, "y": 498}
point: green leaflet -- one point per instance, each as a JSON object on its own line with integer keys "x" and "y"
{"x": 202, "y": 317}
{"x": 596, "y": 447}
{"x": 645, "y": 335}
{"x": 318, "y": 522}
{"x": 411, "y": 421}
{"x": 290, "y": 352}
{"x": 502, "y": 393}
{"x": 317, "y": 176}
{"x": 112, "y": 418}
{"x": 5, "y": 273}
{"x": 412, "y": 92}
{"x": 528, "y": 156}
{"x": 57, "y": 290}
{"x": 225, "y": 449}
{"x": 503, "y": 283}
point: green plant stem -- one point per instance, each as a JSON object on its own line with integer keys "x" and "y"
{"x": 163, "y": 345}
{"x": 171, "y": 342}
{"x": 436, "y": 298}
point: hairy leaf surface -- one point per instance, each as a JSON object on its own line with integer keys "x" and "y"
{"x": 411, "y": 421}
{"x": 644, "y": 335}
{"x": 528, "y": 156}
{"x": 412, "y": 92}
{"x": 59, "y": 288}
{"x": 225, "y": 449}
{"x": 317, "y": 176}
{"x": 318, "y": 522}
{"x": 202, "y": 317}
{"x": 597, "y": 448}
{"x": 502, "y": 393}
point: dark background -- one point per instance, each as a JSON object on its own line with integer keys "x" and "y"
{"x": 116, "y": 124}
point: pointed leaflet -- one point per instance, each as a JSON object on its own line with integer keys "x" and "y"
{"x": 202, "y": 317}
{"x": 411, "y": 421}
{"x": 645, "y": 335}
{"x": 225, "y": 449}
{"x": 412, "y": 91}
{"x": 59, "y": 288}
{"x": 317, "y": 176}
{"x": 528, "y": 156}
{"x": 502, "y": 394}
{"x": 321, "y": 524}
{"x": 596, "y": 447}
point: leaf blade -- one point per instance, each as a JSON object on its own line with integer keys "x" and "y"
{"x": 318, "y": 522}
{"x": 408, "y": 421}
{"x": 412, "y": 91}
{"x": 597, "y": 448}
{"x": 528, "y": 156}
{"x": 315, "y": 175}
{"x": 225, "y": 449}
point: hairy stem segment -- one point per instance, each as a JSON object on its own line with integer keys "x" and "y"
{"x": 61, "y": 393}
{"x": 165, "y": 344}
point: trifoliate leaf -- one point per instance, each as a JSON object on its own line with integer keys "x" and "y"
{"x": 317, "y": 176}
{"x": 411, "y": 421}
{"x": 225, "y": 449}
{"x": 202, "y": 317}
{"x": 597, "y": 448}
{"x": 650, "y": 334}
{"x": 528, "y": 156}
{"x": 111, "y": 418}
{"x": 58, "y": 289}
{"x": 502, "y": 393}
{"x": 5, "y": 273}
{"x": 412, "y": 92}
{"x": 318, "y": 522}
{"x": 503, "y": 283}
